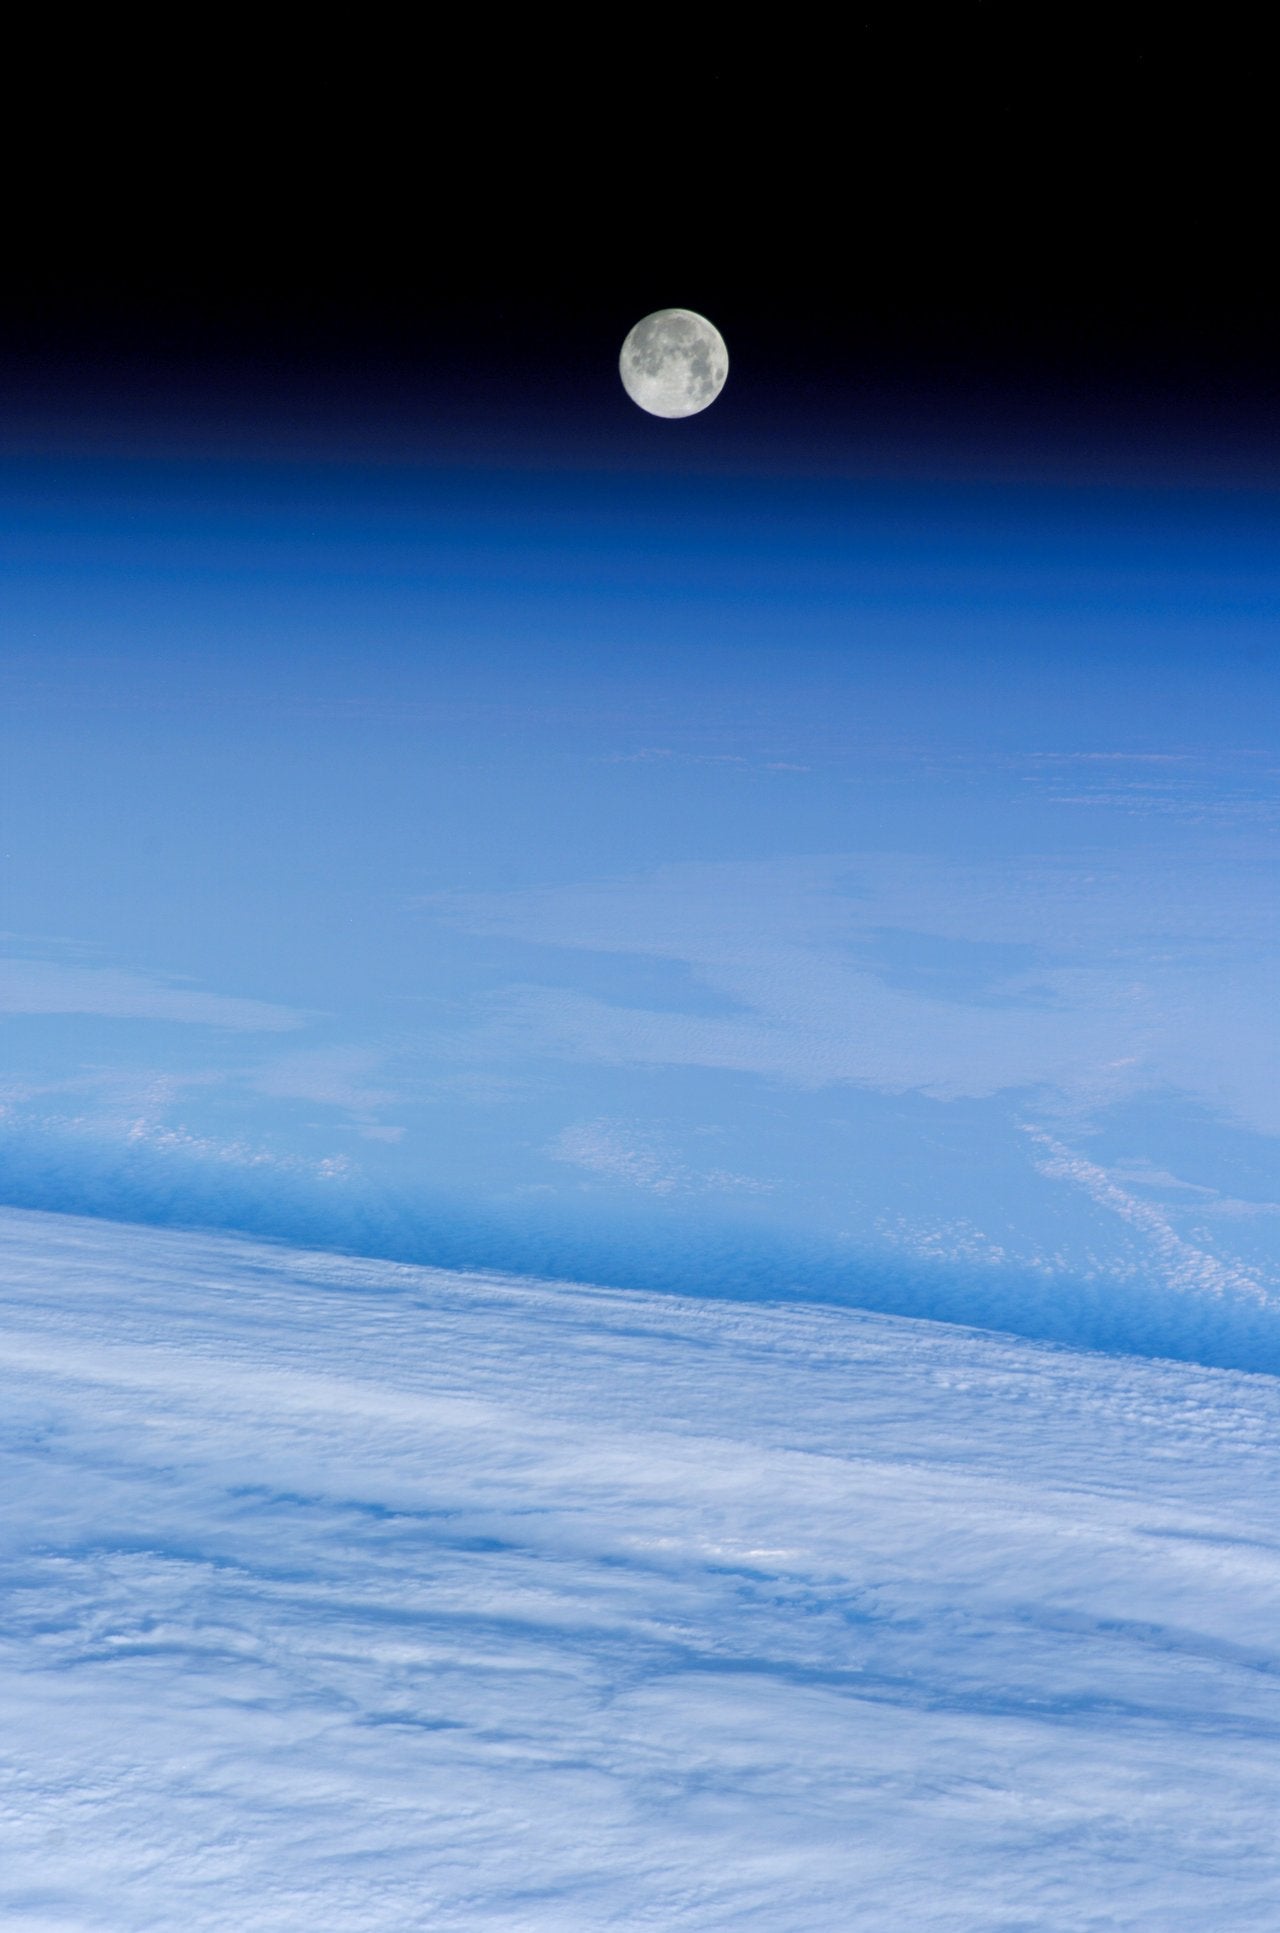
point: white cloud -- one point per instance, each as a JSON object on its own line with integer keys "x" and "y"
{"x": 333, "y": 1076}
{"x": 668, "y": 755}
{"x": 1126, "y": 992}
{"x": 812, "y": 1024}
{"x": 1181, "y": 1265}
{"x": 351, "y": 1595}
{"x": 50, "y": 987}
{"x": 1145, "y": 1174}
{"x": 1232, "y": 789}
{"x": 622, "y": 1151}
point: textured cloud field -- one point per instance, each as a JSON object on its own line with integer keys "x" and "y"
{"x": 352, "y": 1594}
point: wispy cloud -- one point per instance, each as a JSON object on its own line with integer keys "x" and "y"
{"x": 1145, "y": 1174}
{"x": 637, "y": 1157}
{"x": 1115, "y": 758}
{"x": 670, "y": 755}
{"x": 1124, "y": 989}
{"x": 1240, "y": 788}
{"x": 50, "y": 987}
{"x": 181, "y": 1141}
{"x": 332, "y": 1076}
{"x": 151, "y": 1134}
{"x": 955, "y": 1243}
{"x": 1181, "y": 1264}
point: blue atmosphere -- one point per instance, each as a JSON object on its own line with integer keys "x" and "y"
{"x": 808, "y": 887}
{"x": 638, "y": 1202}
{"x": 639, "y": 970}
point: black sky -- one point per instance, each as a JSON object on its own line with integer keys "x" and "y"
{"x": 964, "y": 213}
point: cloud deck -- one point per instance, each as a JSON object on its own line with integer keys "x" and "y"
{"x": 379, "y": 1595}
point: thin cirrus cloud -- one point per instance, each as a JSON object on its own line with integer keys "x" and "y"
{"x": 905, "y": 973}
{"x": 621, "y": 1151}
{"x": 1182, "y": 1265}
{"x": 49, "y": 987}
{"x": 1238, "y": 790}
{"x": 330, "y": 1076}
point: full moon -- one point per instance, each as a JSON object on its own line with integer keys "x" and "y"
{"x": 674, "y": 363}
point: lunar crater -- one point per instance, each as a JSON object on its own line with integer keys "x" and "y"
{"x": 674, "y": 363}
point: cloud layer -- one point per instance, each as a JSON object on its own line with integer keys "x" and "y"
{"x": 351, "y": 1595}
{"x": 906, "y": 973}
{"x": 30, "y": 986}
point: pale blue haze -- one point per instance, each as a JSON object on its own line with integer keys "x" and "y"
{"x": 800, "y": 885}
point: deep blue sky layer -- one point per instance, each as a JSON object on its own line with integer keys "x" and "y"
{"x": 772, "y": 883}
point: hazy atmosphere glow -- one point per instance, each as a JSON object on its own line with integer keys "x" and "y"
{"x": 830, "y": 889}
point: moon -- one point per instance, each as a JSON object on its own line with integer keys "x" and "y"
{"x": 674, "y": 363}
